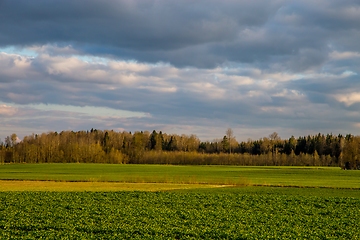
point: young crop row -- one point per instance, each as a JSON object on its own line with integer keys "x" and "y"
{"x": 165, "y": 215}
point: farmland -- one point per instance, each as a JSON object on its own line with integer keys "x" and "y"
{"x": 168, "y": 215}
{"x": 323, "y": 205}
{"x": 332, "y": 177}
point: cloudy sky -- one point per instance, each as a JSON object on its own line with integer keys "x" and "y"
{"x": 180, "y": 66}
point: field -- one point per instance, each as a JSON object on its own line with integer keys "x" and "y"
{"x": 230, "y": 175}
{"x": 324, "y": 205}
{"x": 168, "y": 215}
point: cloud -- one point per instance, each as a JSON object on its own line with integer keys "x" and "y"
{"x": 166, "y": 97}
{"x": 204, "y": 34}
{"x": 344, "y": 55}
{"x": 180, "y": 66}
{"x": 7, "y": 110}
{"x": 349, "y": 98}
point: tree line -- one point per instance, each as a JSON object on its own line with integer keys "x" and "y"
{"x": 97, "y": 146}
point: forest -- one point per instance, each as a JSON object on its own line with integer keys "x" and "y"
{"x": 97, "y": 146}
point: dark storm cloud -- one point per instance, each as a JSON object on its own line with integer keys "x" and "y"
{"x": 161, "y": 25}
{"x": 326, "y": 85}
{"x": 207, "y": 33}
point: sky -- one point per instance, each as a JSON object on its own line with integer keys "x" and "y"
{"x": 180, "y": 66}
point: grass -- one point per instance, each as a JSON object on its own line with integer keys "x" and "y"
{"x": 275, "y": 191}
{"x": 328, "y": 177}
{"x": 52, "y": 186}
{"x": 94, "y": 186}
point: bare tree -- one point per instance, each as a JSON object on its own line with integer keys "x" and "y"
{"x": 230, "y": 136}
{"x": 274, "y": 136}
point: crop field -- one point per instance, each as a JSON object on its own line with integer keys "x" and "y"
{"x": 84, "y": 201}
{"x": 168, "y": 215}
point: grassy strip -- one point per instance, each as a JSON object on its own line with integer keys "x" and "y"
{"x": 291, "y": 186}
{"x": 94, "y": 186}
{"x": 164, "y": 179}
{"x": 183, "y": 179}
{"x": 277, "y": 191}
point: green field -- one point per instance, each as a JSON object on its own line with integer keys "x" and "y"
{"x": 168, "y": 215}
{"x": 83, "y": 201}
{"x": 273, "y": 176}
